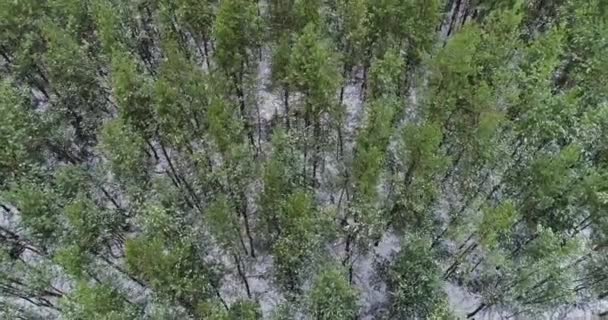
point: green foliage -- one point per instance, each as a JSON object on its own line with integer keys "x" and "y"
{"x": 224, "y": 221}
{"x": 371, "y": 148}
{"x": 332, "y": 297}
{"x": 238, "y": 34}
{"x": 585, "y": 24}
{"x": 198, "y": 16}
{"x": 539, "y": 281}
{"x": 496, "y": 223}
{"x": 313, "y": 70}
{"x": 39, "y": 209}
{"x": 550, "y": 181}
{"x": 175, "y": 272}
{"x": 413, "y": 282}
{"x": 280, "y": 61}
{"x": 180, "y": 98}
{"x": 132, "y": 93}
{"x": 80, "y": 98}
{"x": 108, "y": 25}
{"x": 223, "y": 125}
{"x": 281, "y": 178}
{"x": 300, "y": 239}
{"x": 386, "y": 75}
{"x": 423, "y": 163}
{"x": 167, "y": 257}
{"x": 90, "y": 302}
{"x": 241, "y": 309}
{"x": 20, "y": 33}
{"x": 212, "y": 311}
{"x": 454, "y": 65}
{"x": 352, "y": 30}
{"x": 19, "y": 18}
{"x": 189, "y": 159}
{"x": 19, "y": 135}
{"x": 80, "y": 214}
{"x": 408, "y": 25}
{"x": 125, "y": 151}
{"x": 246, "y": 310}
{"x": 74, "y": 260}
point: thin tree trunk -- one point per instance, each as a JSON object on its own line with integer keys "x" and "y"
{"x": 206, "y": 53}
{"x": 178, "y": 181}
{"x": 317, "y": 152}
{"x": 344, "y": 82}
{"x": 340, "y": 144}
{"x": 238, "y": 83}
{"x": 305, "y": 136}
{"x": 242, "y": 275}
{"x": 476, "y": 311}
{"x": 247, "y": 228}
{"x": 348, "y": 254}
{"x": 454, "y": 17}
{"x": 123, "y": 271}
{"x": 286, "y": 105}
{"x": 259, "y": 118}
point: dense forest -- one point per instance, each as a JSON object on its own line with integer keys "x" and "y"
{"x": 303, "y": 159}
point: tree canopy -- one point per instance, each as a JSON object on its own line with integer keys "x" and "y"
{"x": 303, "y": 159}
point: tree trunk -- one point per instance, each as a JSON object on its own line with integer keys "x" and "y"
{"x": 238, "y": 84}
{"x": 317, "y": 152}
{"x": 242, "y": 275}
{"x": 286, "y": 105}
{"x": 454, "y": 17}
{"x": 247, "y": 226}
{"x": 476, "y": 311}
{"x": 206, "y": 53}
